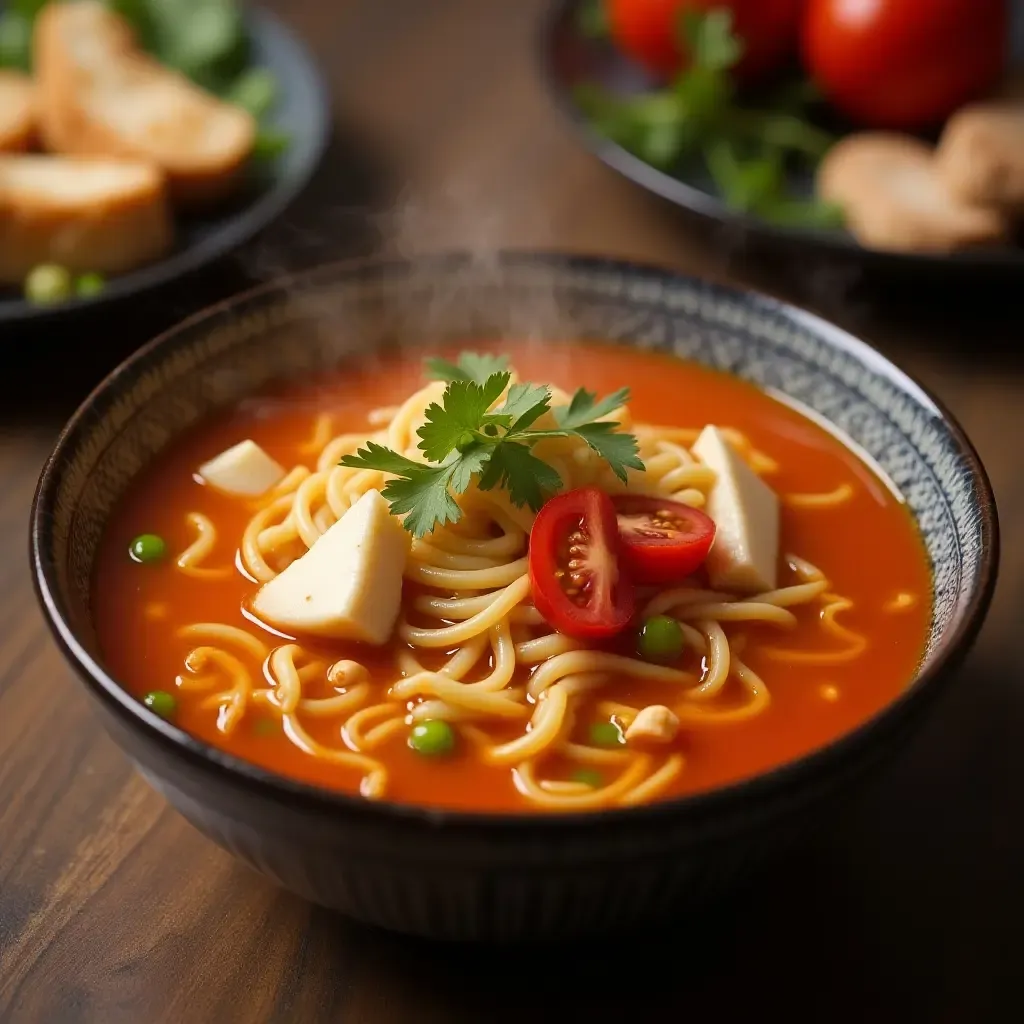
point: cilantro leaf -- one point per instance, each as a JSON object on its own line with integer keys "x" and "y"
{"x": 376, "y": 456}
{"x": 462, "y": 411}
{"x": 424, "y": 499}
{"x": 710, "y": 40}
{"x": 619, "y": 450}
{"x": 585, "y": 408}
{"x": 757, "y": 185}
{"x": 418, "y": 492}
{"x": 471, "y": 366}
{"x": 528, "y": 480}
{"x": 592, "y": 19}
{"x": 806, "y": 213}
{"x": 525, "y": 404}
{"x": 786, "y": 132}
{"x": 750, "y": 149}
{"x": 656, "y": 126}
{"x": 744, "y": 184}
{"x": 461, "y": 438}
{"x": 474, "y": 460}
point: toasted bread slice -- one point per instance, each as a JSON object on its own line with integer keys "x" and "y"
{"x": 981, "y": 154}
{"x": 17, "y": 112}
{"x": 893, "y": 197}
{"x": 83, "y": 213}
{"x": 100, "y": 94}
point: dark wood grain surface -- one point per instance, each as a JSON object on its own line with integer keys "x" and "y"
{"x": 113, "y": 910}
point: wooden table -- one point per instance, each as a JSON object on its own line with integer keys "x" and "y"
{"x": 113, "y": 910}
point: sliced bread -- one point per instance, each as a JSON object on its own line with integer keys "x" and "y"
{"x": 100, "y": 94}
{"x": 17, "y": 112}
{"x": 893, "y": 197}
{"x": 86, "y": 214}
{"x": 980, "y": 156}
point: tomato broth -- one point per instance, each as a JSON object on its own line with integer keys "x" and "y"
{"x": 867, "y": 547}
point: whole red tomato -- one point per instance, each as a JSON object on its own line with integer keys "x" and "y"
{"x": 904, "y": 63}
{"x": 649, "y": 31}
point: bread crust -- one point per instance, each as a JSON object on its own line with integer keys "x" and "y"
{"x": 17, "y": 112}
{"x": 46, "y": 216}
{"x": 980, "y": 155}
{"x": 893, "y": 197}
{"x": 100, "y": 94}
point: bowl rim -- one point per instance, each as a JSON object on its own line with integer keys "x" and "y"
{"x": 694, "y": 806}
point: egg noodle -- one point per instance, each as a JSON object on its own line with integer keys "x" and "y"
{"x": 470, "y": 648}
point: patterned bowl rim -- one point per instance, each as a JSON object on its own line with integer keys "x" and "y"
{"x": 799, "y": 773}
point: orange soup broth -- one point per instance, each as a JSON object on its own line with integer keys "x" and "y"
{"x": 868, "y": 548}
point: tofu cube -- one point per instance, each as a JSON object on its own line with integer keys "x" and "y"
{"x": 244, "y": 471}
{"x": 348, "y": 586}
{"x": 744, "y": 556}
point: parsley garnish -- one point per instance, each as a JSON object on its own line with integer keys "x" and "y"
{"x": 461, "y": 438}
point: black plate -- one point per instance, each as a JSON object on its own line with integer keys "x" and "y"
{"x": 302, "y": 110}
{"x": 569, "y": 57}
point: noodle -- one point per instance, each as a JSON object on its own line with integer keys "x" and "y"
{"x": 231, "y": 702}
{"x": 189, "y": 561}
{"x": 513, "y": 689}
{"x": 855, "y": 642}
{"x": 321, "y": 435}
{"x": 831, "y": 499}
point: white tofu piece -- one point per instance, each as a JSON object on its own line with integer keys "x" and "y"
{"x": 244, "y": 470}
{"x": 745, "y": 554}
{"x": 348, "y": 586}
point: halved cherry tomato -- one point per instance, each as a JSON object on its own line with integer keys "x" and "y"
{"x": 661, "y": 541}
{"x": 574, "y": 568}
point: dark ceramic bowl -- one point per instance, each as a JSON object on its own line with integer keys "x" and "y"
{"x": 466, "y": 876}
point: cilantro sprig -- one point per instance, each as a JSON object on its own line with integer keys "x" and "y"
{"x": 698, "y": 117}
{"x": 464, "y": 437}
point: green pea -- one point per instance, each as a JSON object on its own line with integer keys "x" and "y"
{"x": 255, "y": 91}
{"x": 88, "y": 285}
{"x": 48, "y": 283}
{"x": 15, "y": 41}
{"x": 266, "y": 727}
{"x": 432, "y": 738}
{"x": 660, "y": 639}
{"x": 606, "y": 734}
{"x": 588, "y": 776}
{"x": 162, "y": 702}
{"x": 147, "y": 547}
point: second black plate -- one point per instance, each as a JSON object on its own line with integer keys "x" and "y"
{"x": 569, "y": 58}
{"x": 302, "y": 111}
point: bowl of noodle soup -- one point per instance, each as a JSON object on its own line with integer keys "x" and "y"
{"x": 653, "y": 642}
